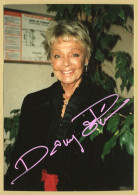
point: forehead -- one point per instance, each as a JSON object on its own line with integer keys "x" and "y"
{"x": 67, "y": 41}
{"x": 67, "y": 38}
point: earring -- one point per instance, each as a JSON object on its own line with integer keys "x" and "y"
{"x": 52, "y": 74}
{"x": 86, "y": 68}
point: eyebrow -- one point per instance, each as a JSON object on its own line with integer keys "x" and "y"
{"x": 70, "y": 50}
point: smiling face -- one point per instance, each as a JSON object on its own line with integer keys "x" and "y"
{"x": 68, "y": 59}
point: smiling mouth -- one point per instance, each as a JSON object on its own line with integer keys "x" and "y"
{"x": 67, "y": 72}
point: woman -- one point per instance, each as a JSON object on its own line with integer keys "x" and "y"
{"x": 46, "y": 120}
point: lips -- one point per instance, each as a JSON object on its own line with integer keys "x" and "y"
{"x": 69, "y": 72}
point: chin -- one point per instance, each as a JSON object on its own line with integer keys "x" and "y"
{"x": 71, "y": 81}
{"x": 67, "y": 82}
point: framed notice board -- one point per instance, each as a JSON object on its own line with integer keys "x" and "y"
{"x": 24, "y": 36}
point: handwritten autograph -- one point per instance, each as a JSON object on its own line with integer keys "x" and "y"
{"x": 88, "y": 125}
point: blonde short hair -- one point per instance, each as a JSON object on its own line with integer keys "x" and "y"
{"x": 66, "y": 29}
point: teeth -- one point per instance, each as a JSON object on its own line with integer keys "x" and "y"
{"x": 66, "y": 72}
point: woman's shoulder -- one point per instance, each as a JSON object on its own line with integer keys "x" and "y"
{"x": 93, "y": 90}
{"x": 39, "y": 97}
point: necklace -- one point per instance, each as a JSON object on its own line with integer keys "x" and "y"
{"x": 66, "y": 100}
{"x": 66, "y": 103}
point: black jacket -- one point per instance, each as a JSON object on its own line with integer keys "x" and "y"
{"x": 41, "y": 125}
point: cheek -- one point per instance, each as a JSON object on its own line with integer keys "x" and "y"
{"x": 80, "y": 70}
{"x": 56, "y": 66}
{"x": 80, "y": 65}
{"x": 77, "y": 63}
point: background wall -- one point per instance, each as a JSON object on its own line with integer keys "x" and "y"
{"x": 21, "y": 79}
{"x": 126, "y": 44}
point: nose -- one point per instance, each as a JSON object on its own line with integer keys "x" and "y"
{"x": 66, "y": 61}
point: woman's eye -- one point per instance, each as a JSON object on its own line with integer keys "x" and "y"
{"x": 76, "y": 55}
{"x": 56, "y": 56}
